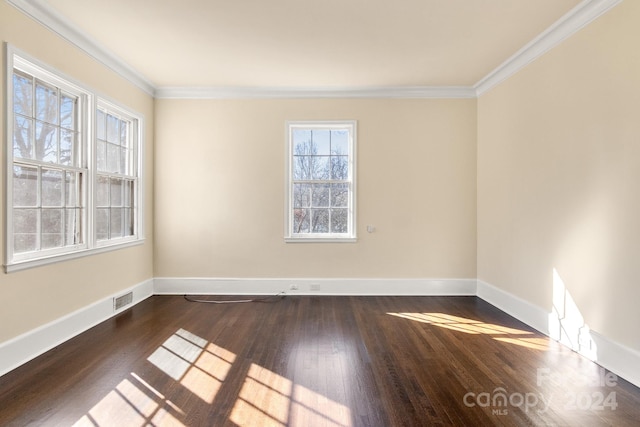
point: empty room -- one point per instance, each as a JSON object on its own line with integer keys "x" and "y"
{"x": 320, "y": 213}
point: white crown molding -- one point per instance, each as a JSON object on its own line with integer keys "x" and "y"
{"x": 47, "y": 16}
{"x": 574, "y": 20}
{"x": 577, "y": 18}
{"x": 401, "y": 92}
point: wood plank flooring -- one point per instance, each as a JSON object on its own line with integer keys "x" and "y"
{"x": 315, "y": 361}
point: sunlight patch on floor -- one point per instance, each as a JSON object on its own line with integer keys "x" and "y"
{"x": 268, "y": 399}
{"x": 265, "y": 399}
{"x": 132, "y": 405}
{"x": 476, "y": 327}
{"x": 199, "y": 366}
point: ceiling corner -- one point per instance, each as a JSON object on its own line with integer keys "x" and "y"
{"x": 574, "y": 20}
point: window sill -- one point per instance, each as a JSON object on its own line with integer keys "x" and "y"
{"x": 38, "y": 262}
{"x": 320, "y": 239}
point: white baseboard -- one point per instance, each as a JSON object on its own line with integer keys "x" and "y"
{"x": 364, "y": 287}
{"x": 611, "y": 355}
{"x": 524, "y": 311}
{"x": 617, "y": 358}
{"x": 27, "y": 346}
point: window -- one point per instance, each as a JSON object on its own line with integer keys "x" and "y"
{"x": 116, "y": 183}
{"x": 320, "y": 181}
{"x": 72, "y": 168}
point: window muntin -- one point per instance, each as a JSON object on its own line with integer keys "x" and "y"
{"x": 320, "y": 189}
{"x": 56, "y": 169}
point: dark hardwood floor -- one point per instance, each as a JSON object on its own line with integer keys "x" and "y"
{"x": 315, "y": 361}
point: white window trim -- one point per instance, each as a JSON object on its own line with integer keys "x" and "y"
{"x": 15, "y": 58}
{"x": 138, "y": 138}
{"x": 290, "y": 237}
{"x": 32, "y": 67}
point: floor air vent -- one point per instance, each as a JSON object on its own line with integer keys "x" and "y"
{"x": 121, "y": 301}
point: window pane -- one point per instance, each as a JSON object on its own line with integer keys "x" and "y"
{"x": 319, "y": 167}
{"x": 340, "y": 167}
{"x": 116, "y": 223}
{"x": 339, "y": 195}
{"x": 321, "y": 142}
{"x": 128, "y": 222}
{"x": 113, "y": 131}
{"x": 22, "y": 137}
{"x": 128, "y": 193}
{"x": 320, "y": 195}
{"x": 124, "y": 133}
{"x": 72, "y": 227}
{"x": 300, "y": 221}
{"x": 25, "y": 186}
{"x": 301, "y": 168}
{"x": 101, "y": 156}
{"x": 72, "y": 189}
{"x": 101, "y": 125}
{"x": 102, "y": 223}
{"x": 124, "y": 161}
{"x": 52, "y": 184}
{"x": 68, "y": 112}
{"x": 301, "y": 141}
{"x": 46, "y": 143}
{"x": 339, "y": 221}
{"x": 339, "y": 142}
{"x": 320, "y": 220}
{"x": 102, "y": 191}
{"x": 52, "y": 227}
{"x": 22, "y": 95}
{"x": 301, "y": 195}
{"x": 116, "y": 192}
{"x": 25, "y": 230}
{"x": 46, "y": 104}
{"x": 113, "y": 158}
{"x": 68, "y": 148}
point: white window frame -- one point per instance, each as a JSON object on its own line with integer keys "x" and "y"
{"x": 135, "y": 175}
{"x": 87, "y": 107}
{"x": 351, "y": 234}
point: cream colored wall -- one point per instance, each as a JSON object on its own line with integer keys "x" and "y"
{"x": 37, "y": 296}
{"x": 220, "y": 190}
{"x": 558, "y": 174}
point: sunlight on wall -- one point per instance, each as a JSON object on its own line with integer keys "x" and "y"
{"x": 566, "y": 323}
{"x": 476, "y": 327}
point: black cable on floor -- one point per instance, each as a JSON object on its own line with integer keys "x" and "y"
{"x": 276, "y": 297}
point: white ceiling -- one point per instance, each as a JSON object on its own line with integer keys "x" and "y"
{"x": 309, "y": 43}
